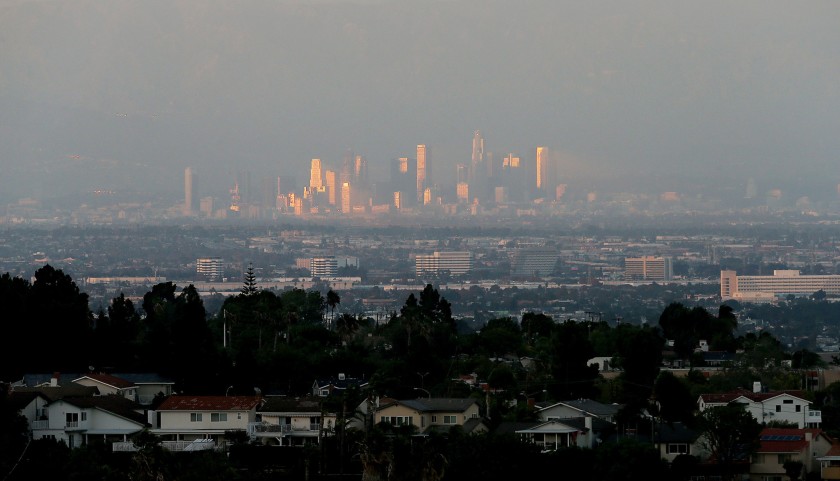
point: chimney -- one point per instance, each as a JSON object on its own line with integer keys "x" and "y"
{"x": 54, "y": 379}
{"x": 757, "y": 386}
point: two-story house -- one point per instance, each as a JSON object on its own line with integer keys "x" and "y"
{"x": 786, "y": 406}
{"x": 432, "y": 414}
{"x": 292, "y": 421}
{"x": 182, "y": 422}
{"x": 78, "y": 421}
{"x": 778, "y": 446}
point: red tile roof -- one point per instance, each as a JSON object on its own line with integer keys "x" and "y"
{"x": 773, "y": 440}
{"x": 209, "y": 403}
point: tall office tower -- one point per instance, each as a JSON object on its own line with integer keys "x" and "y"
{"x": 346, "y": 205}
{"x": 347, "y": 169}
{"x": 463, "y": 191}
{"x": 190, "y": 192}
{"x": 331, "y": 185}
{"x": 477, "y": 154}
{"x": 427, "y": 196}
{"x": 462, "y": 173}
{"x": 360, "y": 171}
{"x": 234, "y": 198}
{"x": 424, "y": 170}
{"x": 403, "y": 172}
{"x": 316, "y": 181}
{"x": 542, "y": 170}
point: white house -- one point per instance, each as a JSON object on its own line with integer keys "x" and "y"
{"x": 788, "y": 406}
{"x": 82, "y": 420}
{"x": 292, "y": 421}
{"x": 181, "y": 420}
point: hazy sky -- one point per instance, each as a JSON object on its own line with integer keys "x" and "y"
{"x": 127, "y": 93}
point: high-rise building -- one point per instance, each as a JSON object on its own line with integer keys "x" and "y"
{"x": 210, "y": 268}
{"x": 424, "y": 170}
{"x": 463, "y": 192}
{"x": 191, "y": 203}
{"x": 331, "y": 186}
{"x": 347, "y": 168}
{"x": 325, "y": 266}
{"x": 534, "y": 262}
{"x": 455, "y": 263}
{"x": 360, "y": 171}
{"x": 477, "y": 154}
{"x": 346, "y": 203}
{"x": 542, "y": 169}
{"x": 316, "y": 181}
{"x": 648, "y": 268}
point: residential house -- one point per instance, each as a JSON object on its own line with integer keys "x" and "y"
{"x": 78, "y": 421}
{"x": 786, "y": 406}
{"x": 674, "y": 439}
{"x": 292, "y": 421}
{"x": 555, "y": 434}
{"x": 432, "y": 414}
{"x": 830, "y": 464}
{"x": 140, "y": 387}
{"x": 577, "y": 408}
{"x": 779, "y": 445}
{"x": 109, "y": 385}
{"x": 181, "y": 420}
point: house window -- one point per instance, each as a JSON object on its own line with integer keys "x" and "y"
{"x": 72, "y": 419}
{"x": 449, "y": 420}
{"x": 783, "y": 458}
{"x": 677, "y": 448}
{"x": 799, "y": 408}
{"x": 218, "y": 417}
{"x": 84, "y": 416}
{"x": 434, "y": 419}
{"x": 778, "y": 408}
{"x": 787, "y": 401}
{"x": 195, "y": 417}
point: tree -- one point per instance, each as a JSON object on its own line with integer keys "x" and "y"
{"x": 730, "y": 433}
{"x": 249, "y": 286}
{"x": 332, "y": 300}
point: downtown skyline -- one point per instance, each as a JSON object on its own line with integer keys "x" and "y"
{"x": 645, "y": 97}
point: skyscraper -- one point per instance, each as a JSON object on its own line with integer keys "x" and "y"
{"x": 477, "y": 154}
{"x": 316, "y": 181}
{"x": 190, "y": 192}
{"x": 542, "y": 169}
{"x": 424, "y": 170}
{"x": 331, "y": 186}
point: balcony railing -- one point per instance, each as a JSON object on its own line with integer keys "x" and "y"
{"x": 42, "y": 424}
{"x": 175, "y": 446}
{"x": 266, "y": 428}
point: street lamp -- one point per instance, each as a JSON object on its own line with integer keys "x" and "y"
{"x": 428, "y": 394}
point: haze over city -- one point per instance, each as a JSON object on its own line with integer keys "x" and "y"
{"x": 640, "y": 96}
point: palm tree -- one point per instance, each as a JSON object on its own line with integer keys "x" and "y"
{"x": 332, "y": 300}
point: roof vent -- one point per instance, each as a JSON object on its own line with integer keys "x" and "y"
{"x": 341, "y": 376}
